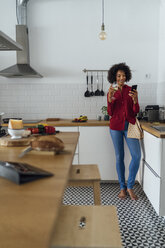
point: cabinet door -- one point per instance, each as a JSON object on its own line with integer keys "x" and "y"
{"x": 70, "y": 129}
{"x": 153, "y": 151}
{"x": 162, "y": 186}
{"x": 76, "y": 159}
{"x": 151, "y": 186}
{"x": 95, "y": 146}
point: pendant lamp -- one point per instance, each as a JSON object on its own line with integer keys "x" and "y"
{"x": 102, "y": 34}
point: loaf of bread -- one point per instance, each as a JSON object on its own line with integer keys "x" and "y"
{"x": 15, "y": 124}
{"x": 47, "y": 143}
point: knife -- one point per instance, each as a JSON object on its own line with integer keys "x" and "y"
{"x": 28, "y": 149}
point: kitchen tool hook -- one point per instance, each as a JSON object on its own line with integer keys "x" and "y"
{"x": 102, "y": 92}
{"x": 97, "y": 92}
{"x": 87, "y": 93}
{"x": 92, "y": 93}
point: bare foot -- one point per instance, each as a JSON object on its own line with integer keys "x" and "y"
{"x": 132, "y": 195}
{"x": 122, "y": 194}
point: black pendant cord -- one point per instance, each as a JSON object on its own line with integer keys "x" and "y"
{"x": 103, "y": 12}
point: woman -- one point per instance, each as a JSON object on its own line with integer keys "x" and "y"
{"x": 123, "y": 107}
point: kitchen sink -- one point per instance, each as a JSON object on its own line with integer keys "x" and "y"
{"x": 159, "y": 128}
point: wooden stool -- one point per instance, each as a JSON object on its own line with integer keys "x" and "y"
{"x": 86, "y": 175}
{"x": 86, "y": 226}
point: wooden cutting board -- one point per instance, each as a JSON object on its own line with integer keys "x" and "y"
{"x": 7, "y": 141}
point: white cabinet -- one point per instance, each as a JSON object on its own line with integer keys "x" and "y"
{"x": 153, "y": 151}
{"x": 95, "y": 146}
{"x": 71, "y": 129}
{"x": 151, "y": 186}
{"x": 154, "y": 171}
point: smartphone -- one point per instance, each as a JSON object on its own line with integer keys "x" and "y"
{"x": 134, "y": 87}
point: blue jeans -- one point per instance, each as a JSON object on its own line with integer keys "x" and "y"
{"x": 135, "y": 150}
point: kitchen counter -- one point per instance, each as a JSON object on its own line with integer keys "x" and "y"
{"x": 28, "y": 212}
{"x": 68, "y": 123}
{"x": 147, "y": 126}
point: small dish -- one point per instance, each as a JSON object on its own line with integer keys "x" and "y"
{"x": 15, "y": 133}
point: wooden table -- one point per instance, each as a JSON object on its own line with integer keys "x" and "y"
{"x": 28, "y": 212}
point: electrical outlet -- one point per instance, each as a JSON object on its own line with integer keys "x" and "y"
{"x": 147, "y": 75}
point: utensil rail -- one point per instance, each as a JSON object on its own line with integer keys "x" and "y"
{"x": 86, "y": 70}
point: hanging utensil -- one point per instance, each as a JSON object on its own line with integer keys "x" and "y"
{"x": 87, "y": 93}
{"x": 97, "y": 92}
{"x": 92, "y": 93}
{"x": 102, "y": 92}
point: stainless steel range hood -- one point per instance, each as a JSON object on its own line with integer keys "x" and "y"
{"x": 22, "y": 68}
{"x": 8, "y": 44}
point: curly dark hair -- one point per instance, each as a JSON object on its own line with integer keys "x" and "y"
{"x": 115, "y": 68}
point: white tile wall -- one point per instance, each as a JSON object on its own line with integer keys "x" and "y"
{"x": 161, "y": 94}
{"x": 147, "y": 94}
{"x": 43, "y": 100}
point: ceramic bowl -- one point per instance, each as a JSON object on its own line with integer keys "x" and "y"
{"x": 16, "y": 133}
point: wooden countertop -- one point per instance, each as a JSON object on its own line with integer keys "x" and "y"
{"x": 147, "y": 126}
{"x": 89, "y": 123}
{"x": 68, "y": 123}
{"x": 28, "y": 212}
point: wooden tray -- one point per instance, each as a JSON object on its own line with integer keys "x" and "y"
{"x": 7, "y": 141}
{"x": 52, "y": 119}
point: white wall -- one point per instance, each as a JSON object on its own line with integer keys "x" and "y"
{"x": 161, "y": 61}
{"x": 64, "y": 40}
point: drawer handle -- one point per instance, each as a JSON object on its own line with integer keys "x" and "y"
{"x": 149, "y": 167}
{"x": 78, "y": 171}
{"x": 82, "y": 223}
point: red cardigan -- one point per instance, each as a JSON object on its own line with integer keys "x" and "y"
{"x": 122, "y": 108}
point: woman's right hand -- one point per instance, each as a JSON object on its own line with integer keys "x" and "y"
{"x": 111, "y": 93}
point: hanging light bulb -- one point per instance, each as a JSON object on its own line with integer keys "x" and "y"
{"x": 102, "y": 34}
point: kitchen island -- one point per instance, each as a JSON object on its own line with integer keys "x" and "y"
{"x": 28, "y": 212}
